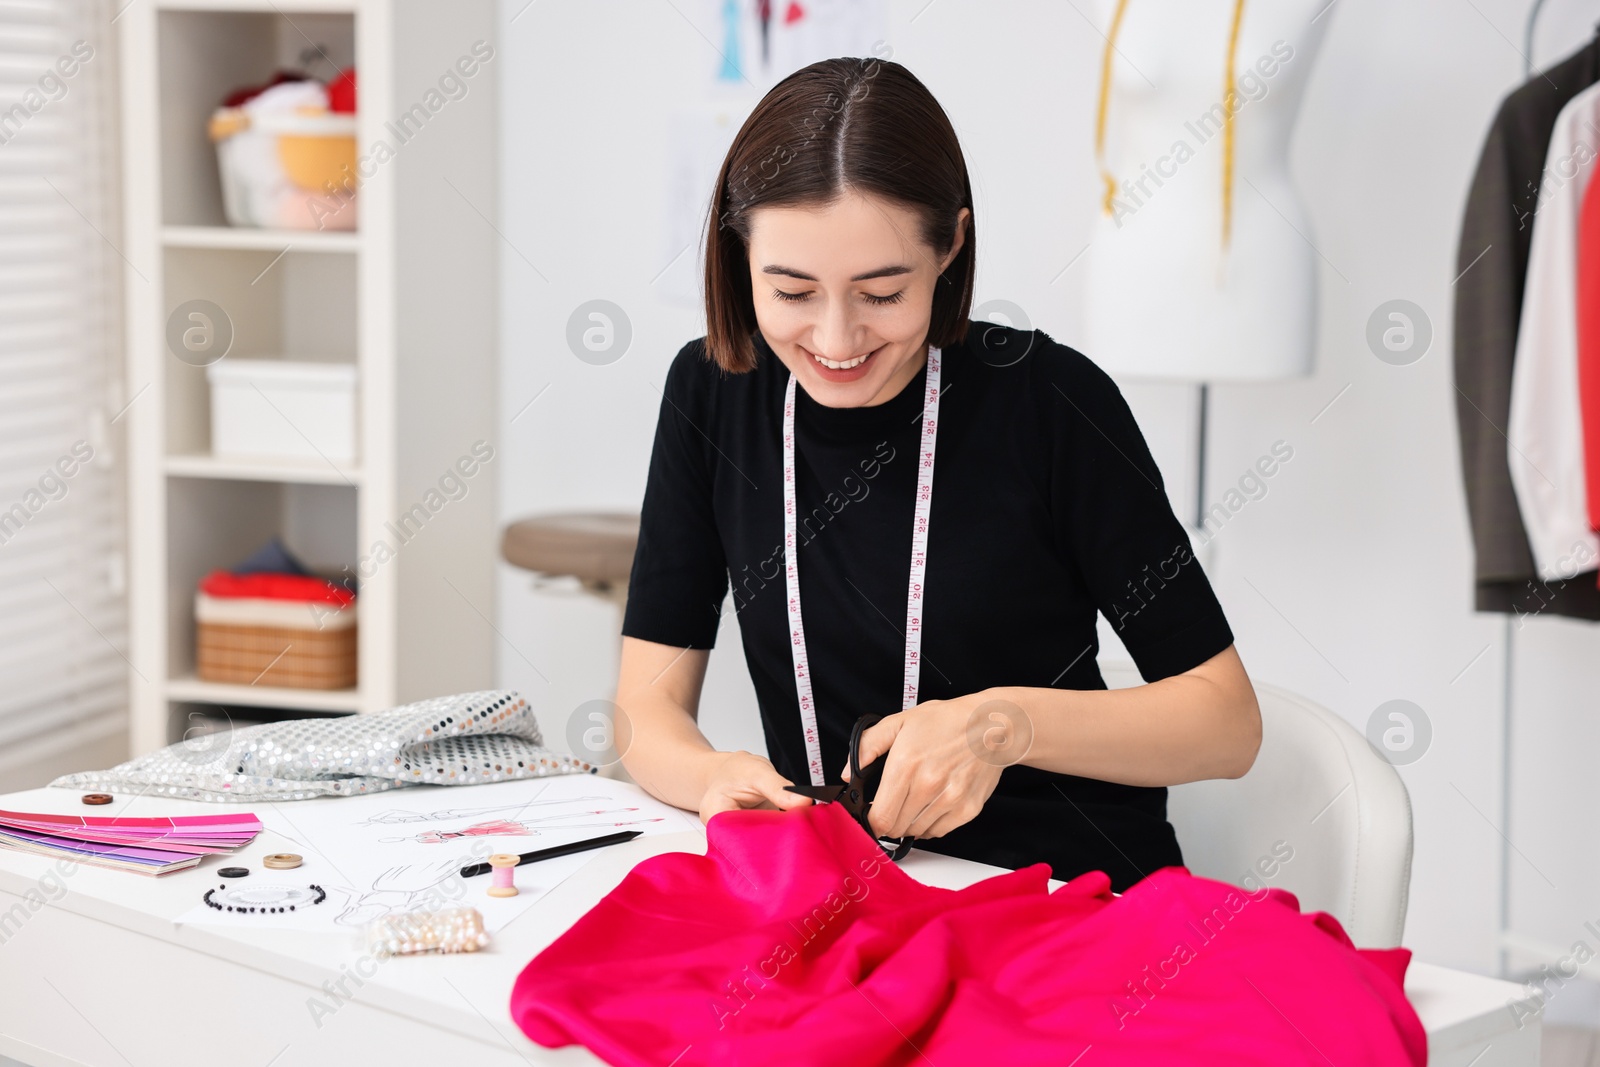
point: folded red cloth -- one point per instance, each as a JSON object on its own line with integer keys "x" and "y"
{"x": 275, "y": 587}
{"x": 795, "y": 940}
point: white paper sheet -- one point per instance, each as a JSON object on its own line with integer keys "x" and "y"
{"x": 403, "y": 850}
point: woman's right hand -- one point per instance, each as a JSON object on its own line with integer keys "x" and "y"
{"x": 745, "y": 780}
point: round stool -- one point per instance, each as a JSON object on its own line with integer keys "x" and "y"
{"x": 595, "y": 547}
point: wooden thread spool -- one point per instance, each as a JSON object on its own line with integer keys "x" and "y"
{"x": 505, "y": 865}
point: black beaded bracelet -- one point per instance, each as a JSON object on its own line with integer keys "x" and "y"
{"x": 238, "y": 893}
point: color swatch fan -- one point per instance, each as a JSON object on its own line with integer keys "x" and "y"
{"x": 148, "y": 846}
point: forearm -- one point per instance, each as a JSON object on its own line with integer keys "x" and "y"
{"x": 1179, "y": 729}
{"x": 665, "y": 752}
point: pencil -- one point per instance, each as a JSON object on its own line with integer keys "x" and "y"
{"x": 557, "y": 850}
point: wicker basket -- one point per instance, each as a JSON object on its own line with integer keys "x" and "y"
{"x": 276, "y": 656}
{"x": 294, "y": 644}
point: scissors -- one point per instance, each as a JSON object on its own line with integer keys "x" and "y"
{"x": 856, "y": 794}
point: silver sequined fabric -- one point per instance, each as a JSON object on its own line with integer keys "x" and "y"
{"x": 466, "y": 739}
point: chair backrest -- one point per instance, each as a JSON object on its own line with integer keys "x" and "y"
{"x": 1320, "y": 814}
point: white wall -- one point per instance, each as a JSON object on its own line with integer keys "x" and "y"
{"x": 1349, "y": 581}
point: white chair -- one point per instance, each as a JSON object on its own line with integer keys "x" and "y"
{"x": 1319, "y": 793}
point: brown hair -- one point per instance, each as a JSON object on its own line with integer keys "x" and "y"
{"x": 858, "y": 123}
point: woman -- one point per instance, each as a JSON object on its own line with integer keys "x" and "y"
{"x": 839, "y": 273}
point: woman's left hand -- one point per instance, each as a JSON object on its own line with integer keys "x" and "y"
{"x": 936, "y": 778}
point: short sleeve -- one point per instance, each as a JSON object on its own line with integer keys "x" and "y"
{"x": 1114, "y": 520}
{"x": 679, "y": 578}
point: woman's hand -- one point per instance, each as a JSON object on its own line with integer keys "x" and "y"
{"x": 945, "y": 759}
{"x": 745, "y": 780}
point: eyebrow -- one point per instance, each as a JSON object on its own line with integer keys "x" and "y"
{"x": 881, "y": 272}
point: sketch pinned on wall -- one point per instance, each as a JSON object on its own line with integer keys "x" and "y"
{"x": 731, "y": 70}
{"x": 760, "y": 42}
{"x": 804, "y": 31}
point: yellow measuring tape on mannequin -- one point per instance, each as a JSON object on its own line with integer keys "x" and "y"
{"x": 1229, "y": 91}
{"x": 1229, "y": 94}
{"x": 1105, "y": 100}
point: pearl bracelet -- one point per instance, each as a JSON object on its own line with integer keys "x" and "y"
{"x": 409, "y": 933}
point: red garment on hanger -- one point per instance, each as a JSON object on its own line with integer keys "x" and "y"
{"x": 1589, "y": 344}
{"x": 795, "y": 940}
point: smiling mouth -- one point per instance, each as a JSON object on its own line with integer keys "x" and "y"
{"x": 846, "y": 364}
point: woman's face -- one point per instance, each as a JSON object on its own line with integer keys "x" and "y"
{"x": 850, "y": 284}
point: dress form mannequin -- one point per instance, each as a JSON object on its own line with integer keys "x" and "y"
{"x": 1167, "y": 298}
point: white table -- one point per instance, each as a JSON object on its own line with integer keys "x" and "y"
{"x": 101, "y": 975}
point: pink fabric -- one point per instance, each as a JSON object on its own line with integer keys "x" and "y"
{"x": 795, "y": 941}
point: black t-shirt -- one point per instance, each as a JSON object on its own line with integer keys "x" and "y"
{"x": 1047, "y": 508}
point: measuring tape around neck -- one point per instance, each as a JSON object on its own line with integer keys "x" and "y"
{"x": 919, "y": 563}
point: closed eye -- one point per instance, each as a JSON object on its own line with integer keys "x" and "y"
{"x": 892, "y": 298}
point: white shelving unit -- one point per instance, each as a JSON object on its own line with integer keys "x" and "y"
{"x": 272, "y": 240}
{"x": 409, "y": 298}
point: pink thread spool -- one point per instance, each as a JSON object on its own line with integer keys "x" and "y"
{"x": 505, "y": 865}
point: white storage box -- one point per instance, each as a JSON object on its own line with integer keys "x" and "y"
{"x": 275, "y": 409}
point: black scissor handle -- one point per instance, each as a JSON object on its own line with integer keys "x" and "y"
{"x": 866, "y": 779}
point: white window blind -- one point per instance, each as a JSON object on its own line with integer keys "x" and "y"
{"x": 63, "y": 632}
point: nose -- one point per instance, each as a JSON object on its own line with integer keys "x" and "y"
{"x": 835, "y": 336}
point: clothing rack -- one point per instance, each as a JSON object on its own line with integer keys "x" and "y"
{"x": 1509, "y": 645}
{"x": 1510, "y": 649}
{"x": 1527, "y": 38}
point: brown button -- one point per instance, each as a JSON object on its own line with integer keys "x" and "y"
{"x": 281, "y": 861}
{"x": 97, "y": 798}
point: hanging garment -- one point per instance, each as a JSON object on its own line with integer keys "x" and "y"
{"x": 1588, "y": 296}
{"x": 1491, "y": 266}
{"x": 1544, "y": 430}
{"x": 795, "y": 940}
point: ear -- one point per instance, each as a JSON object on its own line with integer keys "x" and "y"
{"x": 961, "y": 238}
